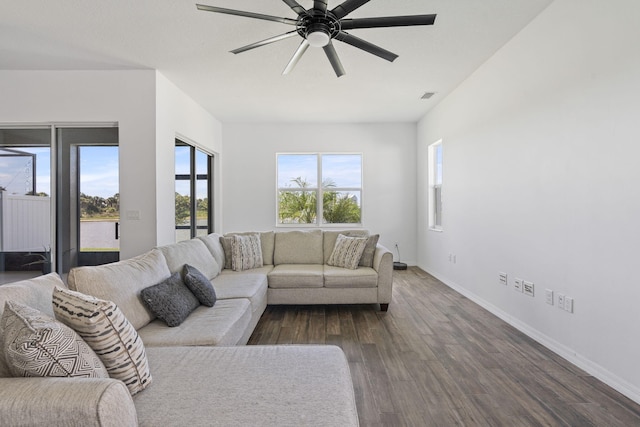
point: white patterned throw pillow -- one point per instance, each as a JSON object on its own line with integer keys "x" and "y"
{"x": 347, "y": 251}
{"x": 108, "y": 332}
{"x": 246, "y": 252}
{"x": 35, "y": 345}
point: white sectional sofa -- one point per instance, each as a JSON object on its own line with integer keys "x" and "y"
{"x": 201, "y": 372}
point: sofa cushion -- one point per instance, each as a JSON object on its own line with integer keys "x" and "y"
{"x": 329, "y": 239}
{"x": 121, "y": 282}
{"x": 347, "y": 252}
{"x": 212, "y": 242}
{"x": 193, "y": 252}
{"x": 170, "y": 300}
{"x": 223, "y": 324}
{"x": 296, "y": 276}
{"x": 199, "y": 285}
{"x": 338, "y": 277}
{"x": 295, "y": 385}
{"x": 366, "y": 260}
{"x": 36, "y": 345}
{"x": 36, "y": 293}
{"x": 298, "y": 247}
{"x": 103, "y": 326}
{"x": 246, "y": 252}
{"x": 267, "y": 241}
{"x": 242, "y": 285}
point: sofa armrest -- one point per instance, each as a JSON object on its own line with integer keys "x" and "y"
{"x": 383, "y": 264}
{"x": 66, "y": 402}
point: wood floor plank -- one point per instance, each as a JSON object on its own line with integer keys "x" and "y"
{"x": 436, "y": 358}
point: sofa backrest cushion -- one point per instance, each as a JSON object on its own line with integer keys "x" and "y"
{"x": 36, "y": 293}
{"x": 193, "y": 252}
{"x": 298, "y": 247}
{"x": 329, "y": 239}
{"x": 122, "y": 281}
{"x": 212, "y": 242}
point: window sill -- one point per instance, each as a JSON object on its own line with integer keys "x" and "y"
{"x": 436, "y": 230}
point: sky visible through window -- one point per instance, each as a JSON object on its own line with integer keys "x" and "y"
{"x": 344, "y": 170}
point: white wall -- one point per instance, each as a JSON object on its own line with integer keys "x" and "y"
{"x": 389, "y": 187}
{"x": 179, "y": 115}
{"x": 541, "y": 175}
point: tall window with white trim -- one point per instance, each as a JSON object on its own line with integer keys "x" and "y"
{"x": 435, "y": 186}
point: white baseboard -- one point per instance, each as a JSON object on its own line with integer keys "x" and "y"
{"x": 599, "y": 372}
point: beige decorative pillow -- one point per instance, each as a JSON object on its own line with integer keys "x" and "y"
{"x": 246, "y": 252}
{"x": 108, "y": 332}
{"x": 35, "y": 345}
{"x": 347, "y": 252}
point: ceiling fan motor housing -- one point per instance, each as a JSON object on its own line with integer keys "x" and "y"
{"x": 318, "y": 28}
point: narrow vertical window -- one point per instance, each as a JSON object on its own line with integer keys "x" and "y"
{"x": 193, "y": 192}
{"x": 435, "y": 186}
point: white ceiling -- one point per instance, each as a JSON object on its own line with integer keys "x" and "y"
{"x": 191, "y": 48}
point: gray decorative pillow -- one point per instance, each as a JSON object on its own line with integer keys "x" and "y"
{"x": 170, "y": 300}
{"x": 35, "y": 345}
{"x": 347, "y": 251}
{"x": 199, "y": 285}
{"x": 226, "y": 242}
{"x": 108, "y": 332}
{"x": 369, "y": 250}
{"x": 246, "y": 252}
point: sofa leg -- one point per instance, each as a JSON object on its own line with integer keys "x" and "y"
{"x": 384, "y": 307}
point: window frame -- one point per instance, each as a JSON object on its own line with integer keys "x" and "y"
{"x": 435, "y": 177}
{"x": 319, "y": 190}
{"x": 193, "y": 177}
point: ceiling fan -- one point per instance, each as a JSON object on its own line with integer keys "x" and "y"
{"x": 319, "y": 26}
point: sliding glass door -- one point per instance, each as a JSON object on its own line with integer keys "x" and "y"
{"x": 26, "y": 239}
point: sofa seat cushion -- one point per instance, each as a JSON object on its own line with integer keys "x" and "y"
{"x": 223, "y": 324}
{"x": 242, "y": 285}
{"x": 248, "y": 386}
{"x": 296, "y": 276}
{"x": 338, "y": 277}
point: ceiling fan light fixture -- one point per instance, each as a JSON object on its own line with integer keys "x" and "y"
{"x": 318, "y": 38}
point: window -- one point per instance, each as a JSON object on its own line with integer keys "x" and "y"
{"x": 303, "y": 179}
{"x": 435, "y": 186}
{"x": 193, "y": 192}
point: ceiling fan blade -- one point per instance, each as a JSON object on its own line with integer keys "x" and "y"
{"x": 387, "y": 21}
{"x": 320, "y": 5}
{"x": 296, "y": 56}
{"x": 246, "y": 14}
{"x": 366, "y": 46}
{"x": 347, "y": 7}
{"x": 265, "y": 42}
{"x": 333, "y": 58}
{"x": 293, "y": 4}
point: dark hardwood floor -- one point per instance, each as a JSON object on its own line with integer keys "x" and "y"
{"x": 438, "y": 359}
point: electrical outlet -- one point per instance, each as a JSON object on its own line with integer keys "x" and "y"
{"x": 561, "y": 301}
{"x": 548, "y": 295}
{"x": 568, "y": 304}
{"x": 527, "y": 288}
{"x": 518, "y": 285}
{"x": 502, "y": 278}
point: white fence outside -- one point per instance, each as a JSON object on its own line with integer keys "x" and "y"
{"x": 25, "y": 223}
